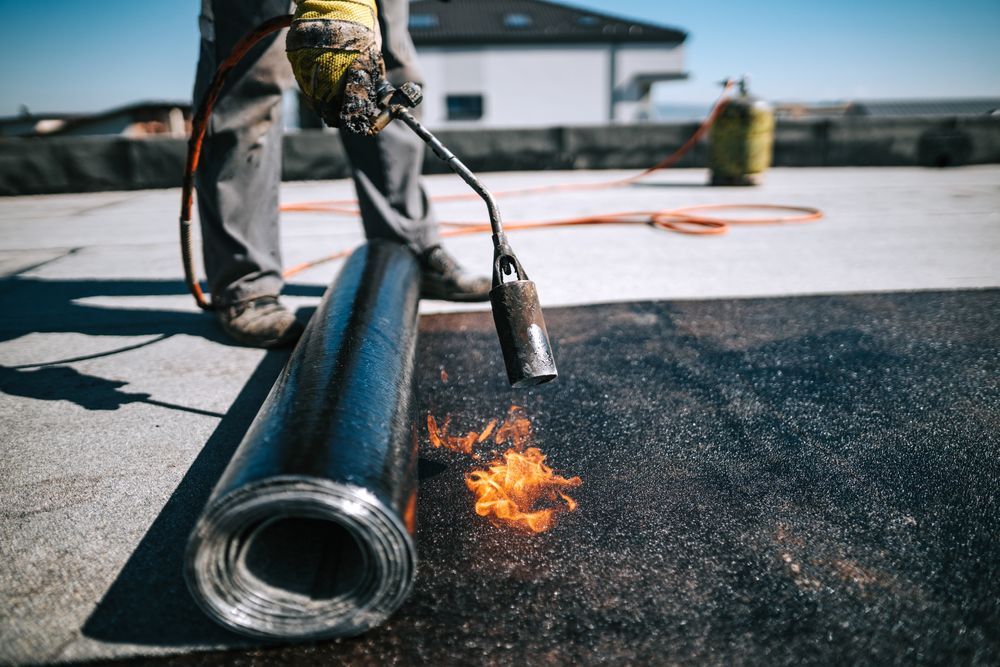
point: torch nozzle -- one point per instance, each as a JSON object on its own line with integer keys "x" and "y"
{"x": 517, "y": 314}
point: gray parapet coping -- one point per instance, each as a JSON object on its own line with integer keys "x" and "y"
{"x": 91, "y": 164}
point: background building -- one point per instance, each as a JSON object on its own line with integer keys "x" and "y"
{"x": 523, "y": 63}
{"x": 140, "y": 119}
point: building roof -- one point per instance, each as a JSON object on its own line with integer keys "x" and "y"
{"x": 940, "y": 107}
{"x": 32, "y": 123}
{"x": 488, "y": 22}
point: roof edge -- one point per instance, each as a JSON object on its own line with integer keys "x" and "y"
{"x": 682, "y": 34}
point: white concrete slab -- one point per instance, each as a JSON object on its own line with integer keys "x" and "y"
{"x": 114, "y": 384}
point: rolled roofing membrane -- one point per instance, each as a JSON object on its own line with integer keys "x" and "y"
{"x": 308, "y": 533}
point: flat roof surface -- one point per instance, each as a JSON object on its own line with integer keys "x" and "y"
{"x": 848, "y": 431}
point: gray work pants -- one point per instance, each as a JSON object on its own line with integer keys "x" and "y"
{"x": 240, "y": 169}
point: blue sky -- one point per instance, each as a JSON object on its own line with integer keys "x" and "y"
{"x": 99, "y": 54}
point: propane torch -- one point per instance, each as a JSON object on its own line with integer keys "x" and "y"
{"x": 517, "y": 313}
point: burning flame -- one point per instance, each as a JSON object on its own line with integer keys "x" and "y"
{"x": 461, "y": 444}
{"x": 511, "y": 489}
{"x": 516, "y": 429}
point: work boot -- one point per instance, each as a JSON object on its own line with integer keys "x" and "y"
{"x": 443, "y": 278}
{"x": 260, "y": 322}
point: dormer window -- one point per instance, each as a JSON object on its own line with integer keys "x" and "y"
{"x": 424, "y": 21}
{"x": 517, "y": 21}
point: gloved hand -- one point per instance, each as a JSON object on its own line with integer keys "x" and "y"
{"x": 335, "y": 48}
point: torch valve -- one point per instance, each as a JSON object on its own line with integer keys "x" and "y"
{"x": 407, "y": 96}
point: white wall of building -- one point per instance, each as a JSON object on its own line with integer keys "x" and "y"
{"x": 538, "y": 86}
{"x": 633, "y": 61}
{"x": 522, "y": 86}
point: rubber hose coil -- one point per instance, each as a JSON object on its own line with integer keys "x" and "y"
{"x": 308, "y": 533}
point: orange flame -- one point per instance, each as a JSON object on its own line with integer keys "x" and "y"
{"x": 462, "y": 444}
{"x": 516, "y": 429}
{"x": 510, "y": 490}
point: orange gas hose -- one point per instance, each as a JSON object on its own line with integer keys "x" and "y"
{"x": 681, "y": 220}
{"x": 685, "y": 220}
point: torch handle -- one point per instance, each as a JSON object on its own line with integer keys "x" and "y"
{"x": 456, "y": 165}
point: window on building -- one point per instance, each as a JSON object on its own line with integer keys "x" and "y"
{"x": 517, "y": 21}
{"x": 464, "y": 107}
{"x": 424, "y": 21}
{"x": 588, "y": 21}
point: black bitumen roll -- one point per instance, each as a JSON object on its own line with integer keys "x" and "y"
{"x": 308, "y": 533}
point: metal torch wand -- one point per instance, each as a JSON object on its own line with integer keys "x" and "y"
{"x": 517, "y": 312}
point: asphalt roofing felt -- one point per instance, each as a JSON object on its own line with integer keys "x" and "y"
{"x": 765, "y": 481}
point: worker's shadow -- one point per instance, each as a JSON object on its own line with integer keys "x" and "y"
{"x": 38, "y": 305}
{"x": 62, "y": 383}
{"x": 35, "y": 305}
{"x": 148, "y": 602}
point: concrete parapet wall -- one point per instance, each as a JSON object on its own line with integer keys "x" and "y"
{"x": 864, "y": 142}
{"x": 87, "y": 164}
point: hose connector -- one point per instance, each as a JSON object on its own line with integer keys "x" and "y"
{"x": 407, "y": 96}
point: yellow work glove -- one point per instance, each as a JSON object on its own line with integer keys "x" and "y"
{"x": 335, "y": 48}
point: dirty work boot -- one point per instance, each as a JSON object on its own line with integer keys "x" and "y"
{"x": 444, "y": 279}
{"x": 260, "y": 322}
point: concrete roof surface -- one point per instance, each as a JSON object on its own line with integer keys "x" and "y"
{"x": 116, "y": 389}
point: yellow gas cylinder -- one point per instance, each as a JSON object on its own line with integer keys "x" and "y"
{"x": 741, "y": 140}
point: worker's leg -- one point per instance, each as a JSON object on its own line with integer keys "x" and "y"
{"x": 386, "y": 168}
{"x": 240, "y": 170}
{"x": 386, "y": 171}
